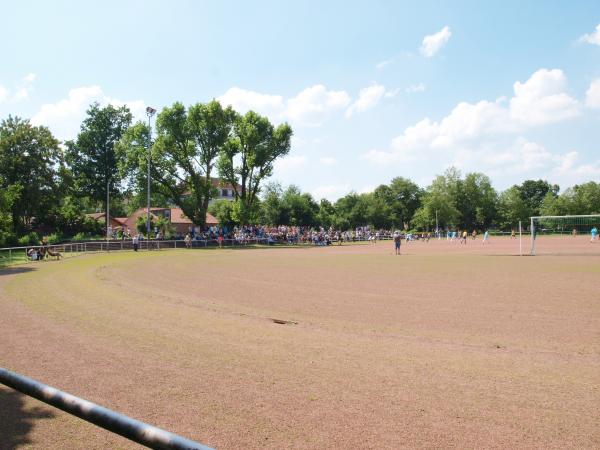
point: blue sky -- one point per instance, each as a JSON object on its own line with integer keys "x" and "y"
{"x": 372, "y": 90}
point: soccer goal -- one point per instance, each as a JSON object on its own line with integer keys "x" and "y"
{"x": 583, "y": 227}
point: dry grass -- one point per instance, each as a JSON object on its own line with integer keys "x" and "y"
{"x": 445, "y": 347}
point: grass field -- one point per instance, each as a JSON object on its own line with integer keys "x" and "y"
{"x": 446, "y": 346}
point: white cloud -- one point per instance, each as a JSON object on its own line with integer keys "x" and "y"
{"x": 393, "y": 93}
{"x": 22, "y": 91}
{"x": 331, "y": 192}
{"x": 25, "y": 88}
{"x": 384, "y": 63}
{"x": 310, "y": 107}
{"x": 367, "y": 98}
{"x": 593, "y": 37}
{"x": 328, "y": 160}
{"x": 592, "y": 95}
{"x": 315, "y": 104}
{"x": 290, "y": 163}
{"x": 65, "y": 116}
{"x": 538, "y": 101}
{"x": 542, "y": 99}
{"x": 416, "y": 88}
{"x": 433, "y": 43}
{"x": 243, "y": 101}
{"x": 572, "y": 171}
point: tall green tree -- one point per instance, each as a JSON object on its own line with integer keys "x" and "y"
{"x": 441, "y": 200}
{"x": 403, "y": 197}
{"x": 477, "y": 202}
{"x": 248, "y": 158}
{"x": 326, "y": 216}
{"x": 184, "y": 154}
{"x": 29, "y": 160}
{"x": 533, "y": 193}
{"x": 512, "y": 208}
{"x": 92, "y": 157}
{"x": 301, "y": 208}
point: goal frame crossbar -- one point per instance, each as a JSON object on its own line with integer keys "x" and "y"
{"x": 533, "y": 220}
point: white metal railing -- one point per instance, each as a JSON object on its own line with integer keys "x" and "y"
{"x": 35, "y": 253}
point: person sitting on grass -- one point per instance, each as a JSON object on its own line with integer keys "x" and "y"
{"x": 32, "y": 253}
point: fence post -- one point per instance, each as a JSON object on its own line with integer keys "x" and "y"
{"x": 9, "y": 255}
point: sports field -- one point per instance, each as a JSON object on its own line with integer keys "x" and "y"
{"x": 446, "y": 346}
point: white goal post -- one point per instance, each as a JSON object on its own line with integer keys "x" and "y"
{"x": 576, "y": 224}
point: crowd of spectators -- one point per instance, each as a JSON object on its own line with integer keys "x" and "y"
{"x": 285, "y": 234}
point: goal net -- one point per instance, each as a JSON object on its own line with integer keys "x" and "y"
{"x": 564, "y": 234}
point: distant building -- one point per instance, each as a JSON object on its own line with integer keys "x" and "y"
{"x": 179, "y": 221}
{"x": 225, "y": 191}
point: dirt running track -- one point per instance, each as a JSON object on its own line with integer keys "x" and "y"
{"x": 446, "y": 346}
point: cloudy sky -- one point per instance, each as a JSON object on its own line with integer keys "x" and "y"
{"x": 372, "y": 90}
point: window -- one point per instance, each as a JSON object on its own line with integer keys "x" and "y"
{"x": 224, "y": 192}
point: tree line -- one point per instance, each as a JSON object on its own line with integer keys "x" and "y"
{"x": 48, "y": 186}
{"x": 450, "y": 201}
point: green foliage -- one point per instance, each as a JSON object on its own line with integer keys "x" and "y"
{"x": 30, "y": 238}
{"x": 164, "y": 226}
{"x": 222, "y": 210}
{"x": 477, "y": 202}
{"x": 92, "y": 157}
{"x": 183, "y": 156}
{"x": 141, "y": 224}
{"x": 579, "y": 199}
{"x": 352, "y": 210}
{"x": 326, "y": 216}
{"x": 248, "y": 158}
{"x": 512, "y": 208}
{"x": 29, "y": 157}
{"x": 71, "y": 219}
{"x": 533, "y": 193}
{"x": 441, "y": 197}
{"x": 54, "y": 238}
{"x": 403, "y": 197}
{"x": 86, "y": 236}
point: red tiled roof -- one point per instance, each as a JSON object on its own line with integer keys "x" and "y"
{"x": 211, "y": 220}
{"x": 101, "y": 215}
{"x": 177, "y": 216}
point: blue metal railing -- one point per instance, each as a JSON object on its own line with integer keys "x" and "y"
{"x": 132, "y": 429}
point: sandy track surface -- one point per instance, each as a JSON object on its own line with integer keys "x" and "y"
{"x": 447, "y": 346}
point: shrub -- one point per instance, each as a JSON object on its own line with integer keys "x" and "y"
{"x": 29, "y": 239}
{"x": 54, "y": 238}
{"x": 8, "y": 239}
{"x": 85, "y": 236}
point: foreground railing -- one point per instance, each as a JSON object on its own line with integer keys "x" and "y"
{"x": 132, "y": 429}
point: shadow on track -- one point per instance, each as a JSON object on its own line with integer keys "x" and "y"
{"x": 14, "y": 270}
{"x": 17, "y": 421}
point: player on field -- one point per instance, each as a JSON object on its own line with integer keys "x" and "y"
{"x": 397, "y": 242}
{"x": 594, "y": 232}
{"x": 486, "y": 236}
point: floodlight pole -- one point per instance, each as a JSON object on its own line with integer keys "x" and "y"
{"x": 107, "y": 209}
{"x": 149, "y": 112}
